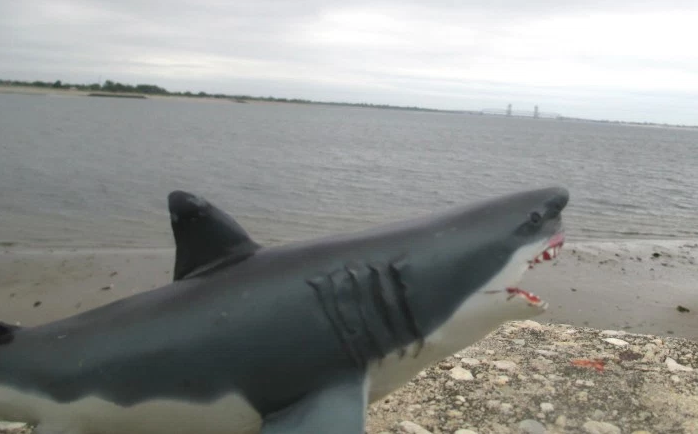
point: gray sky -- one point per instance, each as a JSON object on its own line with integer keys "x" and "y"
{"x": 624, "y": 60}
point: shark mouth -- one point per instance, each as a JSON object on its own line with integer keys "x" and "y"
{"x": 551, "y": 252}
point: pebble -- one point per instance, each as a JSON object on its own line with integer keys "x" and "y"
{"x": 530, "y": 324}
{"x": 594, "y": 427}
{"x": 461, "y": 374}
{"x": 454, "y": 414}
{"x": 408, "y": 427}
{"x": 502, "y": 380}
{"x": 613, "y": 333}
{"x": 674, "y": 366}
{"x": 469, "y": 362}
{"x": 547, "y": 407}
{"x": 493, "y": 403}
{"x": 519, "y": 342}
{"x": 505, "y": 365}
{"x": 617, "y": 342}
{"x": 506, "y": 408}
{"x": 465, "y": 431}
{"x": 530, "y": 426}
{"x": 10, "y": 427}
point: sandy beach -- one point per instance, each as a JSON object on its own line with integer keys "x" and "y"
{"x": 635, "y": 286}
{"x": 641, "y": 295}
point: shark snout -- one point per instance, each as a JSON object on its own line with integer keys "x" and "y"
{"x": 557, "y": 202}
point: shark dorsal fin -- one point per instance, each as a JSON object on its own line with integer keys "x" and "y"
{"x": 205, "y": 236}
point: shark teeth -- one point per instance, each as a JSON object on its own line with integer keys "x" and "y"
{"x": 547, "y": 255}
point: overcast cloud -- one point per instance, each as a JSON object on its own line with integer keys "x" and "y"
{"x": 627, "y": 60}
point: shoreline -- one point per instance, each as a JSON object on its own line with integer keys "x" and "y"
{"x": 640, "y": 286}
{"x": 29, "y": 90}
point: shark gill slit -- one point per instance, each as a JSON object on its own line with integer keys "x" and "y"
{"x": 382, "y": 305}
{"x": 318, "y": 284}
{"x": 363, "y": 307}
{"x": 363, "y": 310}
{"x": 397, "y": 271}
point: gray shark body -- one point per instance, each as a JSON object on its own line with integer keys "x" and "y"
{"x": 291, "y": 339}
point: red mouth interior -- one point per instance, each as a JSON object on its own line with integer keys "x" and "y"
{"x": 550, "y": 253}
{"x": 554, "y": 246}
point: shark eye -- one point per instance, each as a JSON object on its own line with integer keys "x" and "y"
{"x": 535, "y": 218}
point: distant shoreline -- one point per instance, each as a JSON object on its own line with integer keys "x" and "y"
{"x": 188, "y": 96}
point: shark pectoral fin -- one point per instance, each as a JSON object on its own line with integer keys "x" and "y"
{"x": 338, "y": 408}
{"x": 205, "y": 236}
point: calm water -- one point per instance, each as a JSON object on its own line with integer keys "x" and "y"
{"x": 79, "y": 171}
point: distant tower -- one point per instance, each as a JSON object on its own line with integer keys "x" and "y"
{"x": 509, "y": 110}
{"x": 535, "y": 112}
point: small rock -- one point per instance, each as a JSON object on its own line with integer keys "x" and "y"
{"x": 502, "y": 380}
{"x": 682, "y": 309}
{"x": 675, "y": 379}
{"x": 641, "y": 432}
{"x": 519, "y": 342}
{"x": 530, "y": 324}
{"x": 493, "y": 404}
{"x": 408, "y": 427}
{"x": 674, "y": 367}
{"x": 594, "y": 427}
{"x": 506, "y": 408}
{"x": 465, "y": 431}
{"x": 561, "y": 421}
{"x": 505, "y": 365}
{"x": 454, "y": 414}
{"x": 547, "y": 407}
{"x": 469, "y": 362}
{"x": 530, "y": 426}
{"x": 598, "y": 415}
{"x": 11, "y": 427}
{"x": 613, "y": 333}
{"x": 461, "y": 374}
{"x": 616, "y": 342}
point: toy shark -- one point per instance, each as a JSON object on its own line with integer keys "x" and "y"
{"x": 292, "y": 339}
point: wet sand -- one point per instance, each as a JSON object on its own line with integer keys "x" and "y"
{"x": 636, "y": 286}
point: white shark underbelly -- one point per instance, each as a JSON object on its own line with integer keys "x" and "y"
{"x": 478, "y": 316}
{"x": 93, "y": 415}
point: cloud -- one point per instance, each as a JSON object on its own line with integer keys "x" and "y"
{"x": 570, "y": 56}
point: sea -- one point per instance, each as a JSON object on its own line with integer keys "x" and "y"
{"x": 90, "y": 172}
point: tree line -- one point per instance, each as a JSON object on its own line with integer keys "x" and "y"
{"x": 151, "y": 89}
